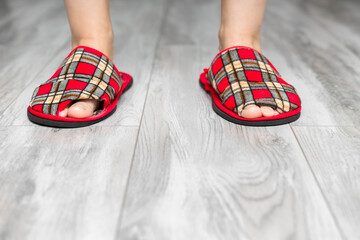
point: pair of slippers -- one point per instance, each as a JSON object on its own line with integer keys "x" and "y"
{"x": 237, "y": 77}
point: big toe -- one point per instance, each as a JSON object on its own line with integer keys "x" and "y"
{"x": 82, "y": 109}
{"x": 251, "y": 111}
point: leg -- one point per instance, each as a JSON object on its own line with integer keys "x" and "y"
{"x": 240, "y": 26}
{"x": 91, "y": 26}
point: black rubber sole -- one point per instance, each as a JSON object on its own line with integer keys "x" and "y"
{"x": 266, "y": 123}
{"x": 62, "y": 124}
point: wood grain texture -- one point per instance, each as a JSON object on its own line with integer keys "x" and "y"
{"x": 196, "y": 176}
{"x": 63, "y": 184}
{"x": 27, "y": 23}
{"x": 15, "y": 113}
{"x": 28, "y": 42}
{"x": 334, "y": 156}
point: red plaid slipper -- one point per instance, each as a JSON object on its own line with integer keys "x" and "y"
{"x": 84, "y": 74}
{"x": 241, "y": 76}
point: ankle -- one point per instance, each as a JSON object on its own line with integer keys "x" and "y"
{"x": 232, "y": 37}
{"x": 103, "y": 43}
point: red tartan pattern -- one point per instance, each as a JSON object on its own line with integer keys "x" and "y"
{"x": 84, "y": 74}
{"x": 242, "y": 77}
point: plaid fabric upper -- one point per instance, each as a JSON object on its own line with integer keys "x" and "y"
{"x": 242, "y": 76}
{"x": 85, "y": 74}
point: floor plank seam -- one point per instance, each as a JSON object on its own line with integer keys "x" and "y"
{"x": 161, "y": 30}
{"x": 320, "y": 189}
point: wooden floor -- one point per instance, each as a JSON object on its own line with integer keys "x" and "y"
{"x": 165, "y": 166}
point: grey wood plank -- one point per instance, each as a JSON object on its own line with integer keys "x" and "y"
{"x": 16, "y": 110}
{"x": 30, "y": 43}
{"x": 18, "y": 11}
{"x": 196, "y": 176}
{"x": 316, "y": 53}
{"x": 192, "y": 23}
{"x": 17, "y": 91}
{"x": 29, "y": 23}
{"x": 63, "y": 184}
{"x": 334, "y": 154}
{"x": 345, "y": 12}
